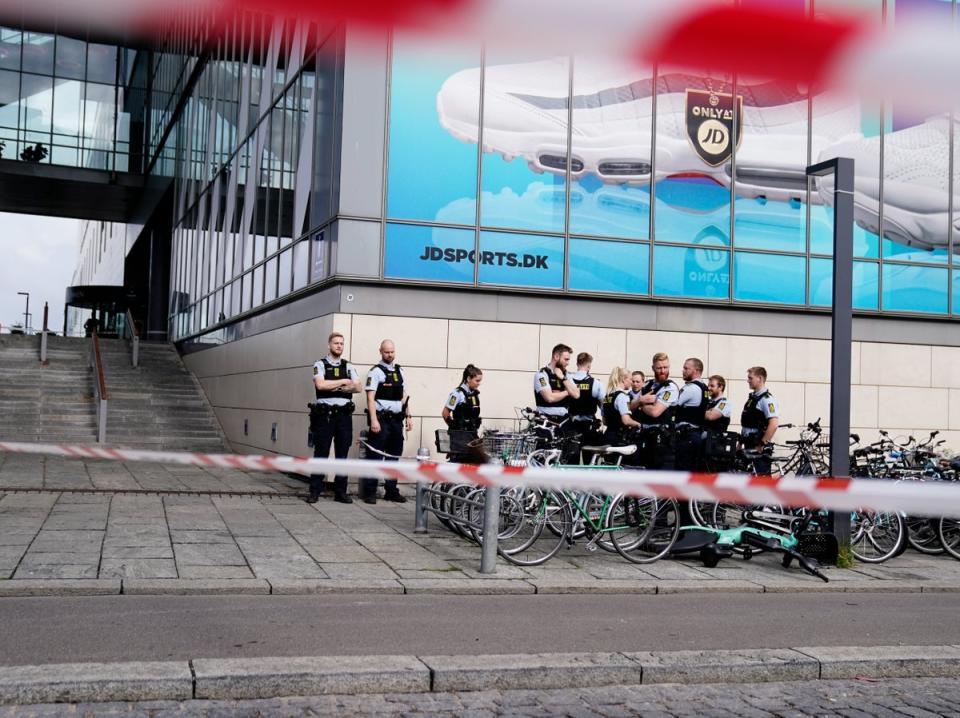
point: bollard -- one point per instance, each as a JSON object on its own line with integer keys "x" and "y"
{"x": 491, "y": 529}
{"x": 43, "y": 348}
{"x": 420, "y": 506}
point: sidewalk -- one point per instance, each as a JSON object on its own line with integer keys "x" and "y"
{"x": 61, "y": 542}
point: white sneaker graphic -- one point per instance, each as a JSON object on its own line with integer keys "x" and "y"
{"x": 526, "y": 112}
{"x": 915, "y": 188}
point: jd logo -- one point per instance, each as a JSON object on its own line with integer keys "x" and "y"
{"x": 709, "y": 121}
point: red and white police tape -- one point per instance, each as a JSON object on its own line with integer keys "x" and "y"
{"x": 910, "y": 497}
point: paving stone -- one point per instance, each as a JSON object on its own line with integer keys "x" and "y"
{"x": 60, "y": 587}
{"x": 138, "y": 568}
{"x": 187, "y": 536}
{"x": 885, "y": 661}
{"x": 195, "y": 587}
{"x": 160, "y": 551}
{"x": 594, "y": 586}
{"x": 940, "y": 587}
{"x": 73, "y": 682}
{"x": 214, "y": 554}
{"x": 202, "y": 572}
{"x": 736, "y": 666}
{"x": 547, "y": 670}
{"x": 56, "y": 571}
{"x": 711, "y": 586}
{"x": 268, "y": 677}
{"x": 356, "y": 571}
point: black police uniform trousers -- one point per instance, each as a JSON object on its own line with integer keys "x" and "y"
{"x": 332, "y": 427}
{"x": 388, "y": 440}
{"x": 688, "y": 449}
{"x": 763, "y": 463}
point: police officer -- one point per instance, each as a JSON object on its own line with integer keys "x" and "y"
{"x": 553, "y": 388}
{"x": 462, "y": 413}
{"x": 387, "y": 409}
{"x": 620, "y": 425}
{"x": 334, "y": 380}
{"x": 719, "y": 410}
{"x": 760, "y": 419}
{"x": 583, "y": 409}
{"x": 637, "y": 380}
{"x": 691, "y": 408}
{"x": 657, "y": 403}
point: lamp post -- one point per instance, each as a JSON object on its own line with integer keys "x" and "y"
{"x": 841, "y": 326}
{"x": 26, "y": 313}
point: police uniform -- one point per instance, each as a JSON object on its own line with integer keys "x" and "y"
{"x": 757, "y": 412}
{"x": 721, "y": 404}
{"x": 464, "y": 407}
{"x": 657, "y": 432}
{"x": 615, "y": 405}
{"x": 583, "y": 410}
{"x": 546, "y": 379}
{"x": 691, "y": 406}
{"x": 330, "y": 420}
{"x": 386, "y": 380}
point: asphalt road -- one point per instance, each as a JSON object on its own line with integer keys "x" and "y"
{"x": 129, "y": 628}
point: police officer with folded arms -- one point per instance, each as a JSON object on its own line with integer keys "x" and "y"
{"x": 691, "y": 410}
{"x": 657, "y": 403}
{"x": 461, "y": 412}
{"x": 583, "y": 409}
{"x": 387, "y": 411}
{"x": 759, "y": 420}
{"x": 553, "y": 387}
{"x": 719, "y": 409}
{"x": 334, "y": 380}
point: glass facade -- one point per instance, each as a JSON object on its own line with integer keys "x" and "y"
{"x": 62, "y": 100}
{"x": 567, "y": 175}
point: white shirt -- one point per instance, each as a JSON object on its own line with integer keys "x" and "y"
{"x": 375, "y": 378}
{"x": 622, "y": 404}
{"x": 319, "y": 370}
{"x": 541, "y": 381}
{"x": 723, "y": 406}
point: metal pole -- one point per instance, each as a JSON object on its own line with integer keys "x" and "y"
{"x": 841, "y": 327}
{"x": 43, "y": 334}
{"x": 420, "y": 509}
{"x": 491, "y": 529}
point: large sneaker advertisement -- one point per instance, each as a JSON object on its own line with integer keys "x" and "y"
{"x": 600, "y": 176}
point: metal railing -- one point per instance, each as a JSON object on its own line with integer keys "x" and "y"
{"x": 132, "y": 334}
{"x": 99, "y": 387}
{"x": 43, "y": 334}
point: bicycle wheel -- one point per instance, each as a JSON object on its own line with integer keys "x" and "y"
{"x": 948, "y": 530}
{"x": 728, "y": 515}
{"x": 529, "y": 544}
{"x": 647, "y": 527}
{"x": 876, "y": 536}
{"x": 702, "y": 512}
{"x": 475, "y": 514}
{"x": 923, "y": 535}
{"x": 458, "y": 509}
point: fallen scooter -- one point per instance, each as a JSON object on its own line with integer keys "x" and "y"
{"x": 763, "y": 531}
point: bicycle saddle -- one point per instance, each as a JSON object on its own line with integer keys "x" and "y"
{"x": 622, "y": 450}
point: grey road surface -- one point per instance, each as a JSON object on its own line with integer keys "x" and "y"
{"x": 893, "y": 698}
{"x": 130, "y": 628}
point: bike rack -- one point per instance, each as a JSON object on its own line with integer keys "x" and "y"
{"x": 489, "y": 524}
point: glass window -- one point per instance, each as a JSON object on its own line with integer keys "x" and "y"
{"x": 438, "y": 254}
{"x": 10, "y": 44}
{"x": 37, "y": 104}
{"x": 524, "y": 140}
{"x": 101, "y": 63}
{"x": 71, "y": 58}
{"x": 68, "y": 111}
{"x": 270, "y": 280}
{"x": 301, "y": 271}
{"x": 602, "y": 266}
{"x": 521, "y": 260}
{"x": 769, "y": 278}
{"x": 434, "y": 128}
{"x": 956, "y": 292}
{"x": 284, "y": 273}
{"x": 38, "y": 53}
{"x": 912, "y": 288}
{"x": 691, "y": 271}
{"x": 866, "y": 283}
{"x": 9, "y": 98}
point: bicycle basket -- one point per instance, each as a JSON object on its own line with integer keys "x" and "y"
{"x": 441, "y": 439}
{"x": 508, "y": 447}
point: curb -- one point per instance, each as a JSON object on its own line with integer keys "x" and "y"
{"x": 250, "y": 678}
{"x": 25, "y": 588}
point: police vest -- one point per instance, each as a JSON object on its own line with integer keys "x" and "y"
{"x": 333, "y": 372}
{"x": 694, "y": 414}
{"x": 721, "y": 424}
{"x": 587, "y": 404}
{"x": 391, "y": 388}
{"x": 466, "y": 415}
{"x": 669, "y": 414}
{"x": 612, "y": 418}
{"x": 753, "y": 416}
{"x": 554, "y": 383}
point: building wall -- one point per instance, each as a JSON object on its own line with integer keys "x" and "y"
{"x": 266, "y": 377}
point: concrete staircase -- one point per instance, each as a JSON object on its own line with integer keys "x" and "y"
{"x": 158, "y": 405}
{"x": 52, "y": 404}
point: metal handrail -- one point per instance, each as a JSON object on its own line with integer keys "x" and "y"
{"x": 130, "y": 327}
{"x": 99, "y": 387}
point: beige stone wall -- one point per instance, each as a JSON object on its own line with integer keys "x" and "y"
{"x": 906, "y": 389}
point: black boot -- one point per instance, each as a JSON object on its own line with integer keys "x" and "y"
{"x": 341, "y": 497}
